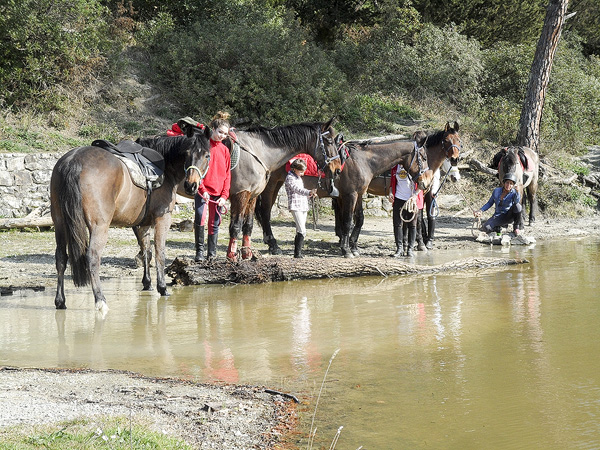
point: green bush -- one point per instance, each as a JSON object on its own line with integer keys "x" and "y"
{"x": 436, "y": 62}
{"x": 51, "y": 49}
{"x": 262, "y": 70}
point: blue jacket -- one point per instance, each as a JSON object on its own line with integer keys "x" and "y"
{"x": 512, "y": 201}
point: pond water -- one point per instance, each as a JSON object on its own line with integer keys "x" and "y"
{"x": 501, "y": 358}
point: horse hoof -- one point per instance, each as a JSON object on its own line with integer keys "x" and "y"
{"x": 62, "y": 305}
{"x": 163, "y": 291}
{"x": 275, "y": 251}
{"x": 231, "y": 257}
{"x": 246, "y": 254}
{"x": 355, "y": 252}
{"x": 102, "y": 307}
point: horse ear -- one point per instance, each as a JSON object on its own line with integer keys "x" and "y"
{"x": 455, "y": 126}
{"x": 447, "y": 127}
{"x": 207, "y": 132}
{"x": 330, "y": 123}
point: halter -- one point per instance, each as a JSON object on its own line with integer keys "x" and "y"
{"x": 326, "y": 158}
{"x": 202, "y": 175}
{"x": 416, "y": 154}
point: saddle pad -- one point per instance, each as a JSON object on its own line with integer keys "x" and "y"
{"x": 145, "y": 165}
{"x": 234, "y": 155}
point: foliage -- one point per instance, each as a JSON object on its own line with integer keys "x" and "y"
{"x": 372, "y": 114}
{"x": 572, "y": 110}
{"x": 262, "y": 70}
{"x": 52, "y": 50}
{"x": 488, "y": 21}
{"x": 440, "y": 62}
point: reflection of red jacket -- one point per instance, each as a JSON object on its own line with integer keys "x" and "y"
{"x": 311, "y": 166}
{"x": 218, "y": 178}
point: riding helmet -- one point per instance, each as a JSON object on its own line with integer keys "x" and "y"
{"x": 510, "y": 176}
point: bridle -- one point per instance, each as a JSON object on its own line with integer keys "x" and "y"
{"x": 326, "y": 158}
{"x": 416, "y": 155}
{"x": 196, "y": 168}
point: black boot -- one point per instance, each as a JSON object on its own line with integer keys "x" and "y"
{"x": 211, "y": 251}
{"x": 298, "y": 244}
{"x": 199, "y": 242}
{"x": 430, "y": 232}
{"x": 412, "y": 237}
{"x": 398, "y": 240}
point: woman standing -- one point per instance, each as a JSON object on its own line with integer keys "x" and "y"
{"x": 298, "y": 202}
{"x": 403, "y": 190}
{"x": 213, "y": 191}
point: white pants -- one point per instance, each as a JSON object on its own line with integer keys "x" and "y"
{"x": 300, "y": 219}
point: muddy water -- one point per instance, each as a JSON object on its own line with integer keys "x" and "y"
{"x": 499, "y": 359}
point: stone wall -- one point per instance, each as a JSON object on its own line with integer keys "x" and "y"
{"x": 25, "y": 185}
{"x": 25, "y": 182}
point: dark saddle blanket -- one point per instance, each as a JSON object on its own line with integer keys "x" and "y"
{"x": 146, "y": 166}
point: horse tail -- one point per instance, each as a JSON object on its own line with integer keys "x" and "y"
{"x": 71, "y": 207}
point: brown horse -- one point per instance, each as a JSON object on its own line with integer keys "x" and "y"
{"x": 443, "y": 149}
{"x": 524, "y": 163}
{"x": 91, "y": 190}
{"x": 366, "y": 160}
{"x": 263, "y": 152}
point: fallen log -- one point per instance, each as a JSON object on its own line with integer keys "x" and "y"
{"x": 186, "y": 271}
{"x": 26, "y": 222}
{"x": 478, "y": 165}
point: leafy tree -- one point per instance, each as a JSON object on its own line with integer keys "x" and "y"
{"x": 50, "y": 47}
{"x": 264, "y": 69}
{"x": 488, "y": 21}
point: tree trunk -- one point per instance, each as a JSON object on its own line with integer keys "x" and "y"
{"x": 531, "y": 114}
{"x": 186, "y": 271}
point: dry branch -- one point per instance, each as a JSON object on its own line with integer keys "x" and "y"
{"x": 26, "y": 222}
{"x": 478, "y": 165}
{"x": 185, "y": 271}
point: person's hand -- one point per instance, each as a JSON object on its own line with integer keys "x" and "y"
{"x": 391, "y": 197}
{"x": 517, "y": 231}
{"x": 206, "y": 196}
{"x": 221, "y": 201}
{"x": 477, "y": 213}
{"x": 313, "y": 193}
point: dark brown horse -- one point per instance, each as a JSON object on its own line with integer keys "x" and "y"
{"x": 92, "y": 190}
{"x": 443, "y": 149}
{"x": 366, "y": 160}
{"x": 524, "y": 163}
{"x": 263, "y": 152}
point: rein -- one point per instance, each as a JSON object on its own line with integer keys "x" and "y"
{"x": 202, "y": 175}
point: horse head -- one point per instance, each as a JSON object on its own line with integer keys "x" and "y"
{"x": 451, "y": 143}
{"x": 329, "y": 155}
{"x": 418, "y": 168}
{"x": 197, "y": 155}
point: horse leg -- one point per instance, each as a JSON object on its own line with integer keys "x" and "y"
{"x": 238, "y": 202}
{"x": 247, "y": 227}
{"x": 61, "y": 258}
{"x": 264, "y": 208}
{"x": 143, "y": 237}
{"x": 346, "y": 225}
{"x": 359, "y": 220}
{"x": 161, "y": 227}
{"x": 98, "y": 238}
{"x": 337, "y": 207}
{"x": 533, "y": 203}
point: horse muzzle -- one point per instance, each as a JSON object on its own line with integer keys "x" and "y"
{"x": 190, "y": 188}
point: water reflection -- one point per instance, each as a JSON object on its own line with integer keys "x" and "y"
{"x": 501, "y": 358}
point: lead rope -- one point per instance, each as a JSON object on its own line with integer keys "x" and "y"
{"x": 477, "y": 222}
{"x": 411, "y": 207}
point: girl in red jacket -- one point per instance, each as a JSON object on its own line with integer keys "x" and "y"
{"x": 213, "y": 191}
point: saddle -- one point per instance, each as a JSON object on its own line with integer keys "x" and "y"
{"x": 145, "y": 165}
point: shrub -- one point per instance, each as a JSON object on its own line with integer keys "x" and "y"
{"x": 263, "y": 70}
{"x": 50, "y": 51}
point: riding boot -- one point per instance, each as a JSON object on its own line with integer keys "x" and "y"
{"x": 412, "y": 236}
{"x": 398, "y": 240}
{"x": 431, "y": 232}
{"x": 199, "y": 242}
{"x": 298, "y": 244}
{"x": 211, "y": 251}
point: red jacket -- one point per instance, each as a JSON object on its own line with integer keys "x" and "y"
{"x": 218, "y": 178}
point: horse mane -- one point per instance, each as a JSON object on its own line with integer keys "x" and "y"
{"x": 434, "y": 138}
{"x": 299, "y": 135}
{"x": 165, "y": 145}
